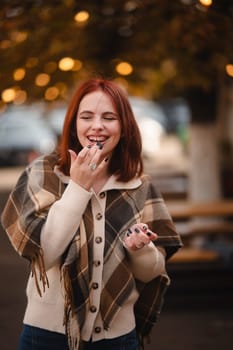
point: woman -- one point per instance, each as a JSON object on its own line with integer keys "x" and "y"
{"x": 96, "y": 231}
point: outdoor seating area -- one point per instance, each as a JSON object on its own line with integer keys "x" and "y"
{"x": 201, "y": 222}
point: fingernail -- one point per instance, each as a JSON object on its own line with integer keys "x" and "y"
{"x": 137, "y": 230}
{"x": 99, "y": 144}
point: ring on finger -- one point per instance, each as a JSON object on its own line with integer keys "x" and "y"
{"x": 92, "y": 166}
{"x": 140, "y": 245}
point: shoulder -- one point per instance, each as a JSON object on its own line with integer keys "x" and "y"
{"x": 44, "y": 162}
{"x": 149, "y": 186}
{"x": 41, "y": 174}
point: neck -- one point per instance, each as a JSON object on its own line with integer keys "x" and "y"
{"x": 100, "y": 182}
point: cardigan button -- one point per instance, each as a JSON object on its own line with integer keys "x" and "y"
{"x": 93, "y": 309}
{"x": 98, "y": 239}
{"x": 96, "y": 263}
{"x": 102, "y": 194}
{"x": 95, "y": 285}
{"x": 97, "y": 329}
{"x": 99, "y": 216}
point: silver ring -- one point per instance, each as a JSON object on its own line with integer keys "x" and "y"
{"x": 93, "y": 166}
{"x": 141, "y": 245}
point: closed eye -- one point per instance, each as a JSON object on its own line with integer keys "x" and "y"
{"x": 110, "y": 116}
{"x": 86, "y": 115}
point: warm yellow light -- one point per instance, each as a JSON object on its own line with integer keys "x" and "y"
{"x": 124, "y": 68}
{"x": 51, "y": 93}
{"x": 8, "y": 95}
{"x": 19, "y": 36}
{"x": 3, "y": 107}
{"x": 77, "y": 65}
{"x": 20, "y": 97}
{"x": 5, "y": 44}
{"x": 62, "y": 87}
{"x": 206, "y": 2}
{"x": 42, "y": 79}
{"x": 229, "y": 70}
{"x": 19, "y": 74}
{"x": 50, "y": 67}
{"x": 66, "y": 63}
{"x": 32, "y": 62}
{"x": 122, "y": 82}
{"x": 168, "y": 68}
{"x": 82, "y": 16}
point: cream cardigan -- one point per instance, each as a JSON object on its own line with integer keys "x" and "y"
{"x": 64, "y": 217}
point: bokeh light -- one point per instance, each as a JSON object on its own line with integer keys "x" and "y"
{"x": 82, "y": 17}
{"x": 51, "y": 93}
{"x": 20, "y": 97}
{"x": 77, "y": 65}
{"x": 8, "y": 95}
{"x": 66, "y": 64}
{"x": 229, "y": 70}
{"x": 19, "y": 74}
{"x": 124, "y": 68}
{"x": 206, "y": 2}
{"x": 42, "y": 79}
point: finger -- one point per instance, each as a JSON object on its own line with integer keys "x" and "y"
{"x": 143, "y": 227}
{"x": 102, "y": 165}
{"x": 153, "y": 236}
{"x": 73, "y": 156}
{"x": 84, "y": 153}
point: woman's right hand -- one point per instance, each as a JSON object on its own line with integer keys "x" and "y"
{"x": 87, "y": 165}
{"x": 138, "y": 236}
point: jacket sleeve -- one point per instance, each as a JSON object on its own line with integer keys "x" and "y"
{"x": 27, "y": 206}
{"x": 155, "y": 214}
{"x": 62, "y": 222}
{"x": 146, "y": 263}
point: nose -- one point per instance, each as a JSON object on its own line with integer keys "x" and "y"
{"x": 97, "y": 124}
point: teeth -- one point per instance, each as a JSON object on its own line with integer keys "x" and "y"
{"x": 96, "y": 140}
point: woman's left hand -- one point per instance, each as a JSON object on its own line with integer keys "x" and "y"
{"x": 138, "y": 236}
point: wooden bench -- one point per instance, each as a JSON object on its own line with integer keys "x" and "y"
{"x": 194, "y": 255}
{"x": 187, "y": 209}
{"x": 214, "y": 222}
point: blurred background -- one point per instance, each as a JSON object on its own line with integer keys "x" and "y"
{"x": 175, "y": 60}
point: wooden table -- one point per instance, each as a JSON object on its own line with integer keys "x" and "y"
{"x": 187, "y": 209}
{"x": 182, "y": 211}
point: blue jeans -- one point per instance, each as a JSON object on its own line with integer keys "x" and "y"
{"x": 125, "y": 342}
{"x": 33, "y": 338}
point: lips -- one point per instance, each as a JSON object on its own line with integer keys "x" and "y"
{"x": 95, "y": 139}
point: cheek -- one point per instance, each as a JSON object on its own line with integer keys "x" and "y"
{"x": 80, "y": 129}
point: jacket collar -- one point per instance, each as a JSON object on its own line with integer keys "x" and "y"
{"x": 111, "y": 184}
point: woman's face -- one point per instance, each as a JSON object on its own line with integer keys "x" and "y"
{"x": 97, "y": 121}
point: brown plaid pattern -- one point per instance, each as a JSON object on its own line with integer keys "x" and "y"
{"x": 26, "y": 211}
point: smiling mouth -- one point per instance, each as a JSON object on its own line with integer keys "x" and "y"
{"x": 97, "y": 139}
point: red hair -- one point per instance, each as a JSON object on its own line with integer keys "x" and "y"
{"x": 126, "y": 161}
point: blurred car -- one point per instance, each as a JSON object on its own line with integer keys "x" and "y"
{"x": 24, "y": 135}
{"x": 150, "y": 117}
{"x": 152, "y": 123}
{"x": 178, "y": 114}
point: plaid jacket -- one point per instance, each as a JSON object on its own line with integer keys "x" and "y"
{"x": 25, "y": 213}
